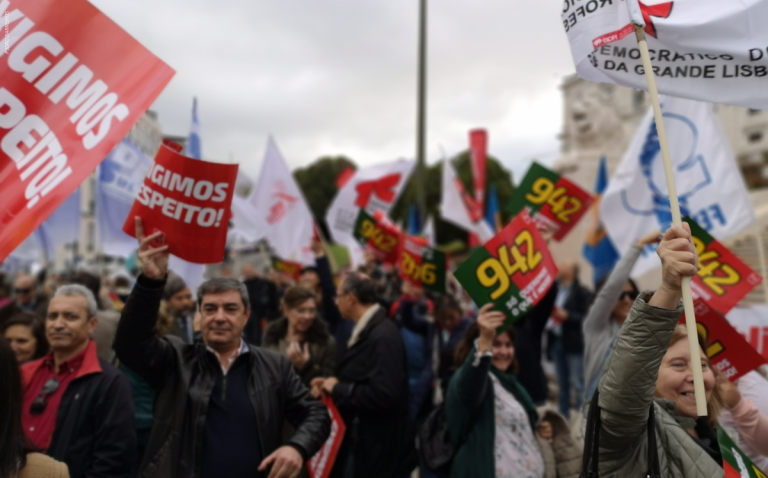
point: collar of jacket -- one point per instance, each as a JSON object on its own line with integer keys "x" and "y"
{"x": 90, "y": 365}
{"x": 671, "y": 407}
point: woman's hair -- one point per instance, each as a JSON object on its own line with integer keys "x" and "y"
{"x": 445, "y": 303}
{"x": 13, "y": 444}
{"x": 297, "y": 295}
{"x": 465, "y": 346}
{"x": 715, "y": 402}
{"x": 602, "y": 283}
{"x": 317, "y": 333}
{"x": 33, "y": 322}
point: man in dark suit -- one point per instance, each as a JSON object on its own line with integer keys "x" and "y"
{"x": 566, "y": 340}
{"x": 370, "y": 389}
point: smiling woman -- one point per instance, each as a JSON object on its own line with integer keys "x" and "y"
{"x": 26, "y": 335}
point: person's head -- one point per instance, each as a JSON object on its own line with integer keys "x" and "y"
{"x": 299, "y": 305}
{"x": 448, "y": 312}
{"x": 25, "y": 289}
{"x": 224, "y": 308}
{"x": 310, "y": 278}
{"x": 225, "y": 271}
{"x": 355, "y": 294}
{"x": 25, "y": 334}
{"x": 90, "y": 281}
{"x": 625, "y": 301}
{"x": 502, "y": 347}
{"x": 675, "y": 381}
{"x": 178, "y": 296}
{"x": 13, "y": 444}
{"x": 415, "y": 291}
{"x": 71, "y": 318}
{"x": 567, "y": 272}
{"x": 248, "y": 271}
{"x": 5, "y": 290}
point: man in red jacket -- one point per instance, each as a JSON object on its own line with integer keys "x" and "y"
{"x": 77, "y": 407}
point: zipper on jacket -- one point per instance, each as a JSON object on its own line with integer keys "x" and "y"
{"x": 252, "y": 391}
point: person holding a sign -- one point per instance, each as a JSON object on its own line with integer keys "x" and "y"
{"x": 491, "y": 418}
{"x": 612, "y": 302}
{"x": 370, "y": 389}
{"x": 746, "y": 417}
{"x": 650, "y": 368}
{"x": 221, "y": 403}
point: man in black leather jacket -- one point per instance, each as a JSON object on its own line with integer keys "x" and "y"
{"x": 220, "y": 403}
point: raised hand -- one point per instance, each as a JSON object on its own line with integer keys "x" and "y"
{"x": 489, "y": 321}
{"x": 153, "y": 260}
{"x": 298, "y": 355}
{"x": 678, "y": 260}
{"x": 317, "y": 248}
{"x": 651, "y": 238}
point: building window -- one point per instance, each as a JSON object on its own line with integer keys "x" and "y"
{"x": 755, "y": 137}
{"x": 754, "y": 112}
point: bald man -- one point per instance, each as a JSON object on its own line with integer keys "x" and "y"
{"x": 565, "y": 338}
{"x": 27, "y": 298}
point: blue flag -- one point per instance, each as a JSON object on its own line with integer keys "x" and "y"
{"x": 492, "y": 211}
{"x": 414, "y": 221}
{"x": 598, "y": 248}
{"x": 193, "y": 140}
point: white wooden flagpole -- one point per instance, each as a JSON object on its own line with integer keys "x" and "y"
{"x": 690, "y": 318}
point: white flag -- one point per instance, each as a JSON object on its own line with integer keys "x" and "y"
{"x": 709, "y": 183}
{"x": 120, "y": 178}
{"x": 708, "y": 50}
{"x": 453, "y": 207}
{"x": 280, "y": 206}
{"x": 375, "y": 188}
{"x": 429, "y": 231}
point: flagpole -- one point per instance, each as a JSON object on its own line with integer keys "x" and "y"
{"x": 761, "y": 256}
{"x": 690, "y": 318}
{"x": 421, "y": 108}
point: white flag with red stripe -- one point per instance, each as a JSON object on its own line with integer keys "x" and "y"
{"x": 708, "y": 50}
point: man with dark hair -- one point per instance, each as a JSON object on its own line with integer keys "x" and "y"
{"x": 221, "y": 403}
{"x": 566, "y": 339}
{"x": 77, "y": 407}
{"x": 27, "y": 298}
{"x": 181, "y": 307}
{"x": 370, "y": 388}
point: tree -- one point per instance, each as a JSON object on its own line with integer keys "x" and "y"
{"x": 446, "y": 232}
{"x": 318, "y": 183}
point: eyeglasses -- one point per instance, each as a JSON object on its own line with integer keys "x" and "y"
{"x": 632, "y": 295}
{"x": 23, "y": 291}
{"x": 39, "y": 403}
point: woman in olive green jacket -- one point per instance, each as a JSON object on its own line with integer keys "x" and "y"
{"x": 491, "y": 418}
{"x": 650, "y": 367}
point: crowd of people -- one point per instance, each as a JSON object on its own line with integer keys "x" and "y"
{"x": 136, "y": 375}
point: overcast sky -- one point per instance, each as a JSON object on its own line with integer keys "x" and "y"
{"x": 330, "y": 77}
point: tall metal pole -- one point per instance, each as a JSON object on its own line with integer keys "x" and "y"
{"x": 422, "y": 113}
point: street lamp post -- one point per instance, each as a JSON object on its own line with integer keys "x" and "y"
{"x": 421, "y": 109}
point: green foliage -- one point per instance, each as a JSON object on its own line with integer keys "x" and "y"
{"x": 446, "y": 232}
{"x": 318, "y": 183}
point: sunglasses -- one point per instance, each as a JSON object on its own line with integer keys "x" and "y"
{"x": 39, "y": 403}
{"x": 23, "y": 291}
{"x": 632, "y": 295}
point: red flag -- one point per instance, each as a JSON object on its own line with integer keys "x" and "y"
{"x": 478, "y": 144}
{"x": 344, "y": 176}
{"x": 74, "y": 83}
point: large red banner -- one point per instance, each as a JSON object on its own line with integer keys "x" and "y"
{"x": 189, "y": 201}
{"x": 726, "y": 348}
{"x": 74, "y": 83}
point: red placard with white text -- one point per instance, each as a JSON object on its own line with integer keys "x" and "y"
{"x": 726, "y": 348}
{"x": 320, "y": 465}
{"x": 189, "y": 201}
{"x": 74, "y": 83}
